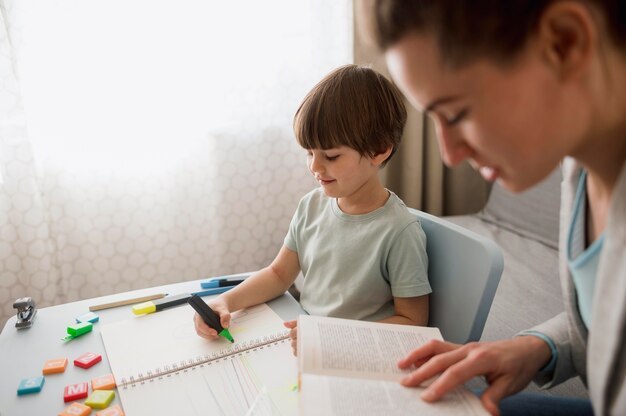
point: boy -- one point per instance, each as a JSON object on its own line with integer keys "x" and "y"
{"x": 362, "y": 254}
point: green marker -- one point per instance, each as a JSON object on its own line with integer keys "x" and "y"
{"x": 77, "y": 330}
{"x": 209, "y": 316}
{"x": 226, "y": 334}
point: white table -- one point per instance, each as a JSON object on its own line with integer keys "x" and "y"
{"x": 23, "y": 352}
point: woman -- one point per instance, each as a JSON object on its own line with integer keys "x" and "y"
{"x": 516, "y": 87}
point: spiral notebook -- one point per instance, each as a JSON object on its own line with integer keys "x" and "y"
{"x": 163, "y": 367}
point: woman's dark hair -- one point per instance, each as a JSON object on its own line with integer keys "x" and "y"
{"x": 352, "y": 106}
{"x": 468, "y": 29}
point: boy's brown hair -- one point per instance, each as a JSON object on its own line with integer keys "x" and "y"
{"x": 353, "y": 106}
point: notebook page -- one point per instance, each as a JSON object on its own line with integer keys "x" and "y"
{"x": 150, "y": 342}
{"x": 261, "y": 380}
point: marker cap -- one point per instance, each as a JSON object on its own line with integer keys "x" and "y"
{"x": 79, "y": 329}
{"x": 226, "y": 334}
{"x": 143, "y": 308}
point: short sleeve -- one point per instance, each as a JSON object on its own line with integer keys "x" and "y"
{"x": 407, "y": 263}
{"x": 291, "y": 239}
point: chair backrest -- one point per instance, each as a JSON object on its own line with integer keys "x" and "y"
{"x": 464, "y": 270}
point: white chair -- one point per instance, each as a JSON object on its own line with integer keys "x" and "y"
{"x": 464, "y": 270}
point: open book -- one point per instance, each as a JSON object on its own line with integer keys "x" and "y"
{"x": 349, "y": 367}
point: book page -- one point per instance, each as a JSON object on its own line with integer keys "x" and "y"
{"x": 357, "y": 349}
{"x": 324, "y": 395}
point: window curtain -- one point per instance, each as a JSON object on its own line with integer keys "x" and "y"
{"x": 144, "y": 142}
{"x": 416, "y": 172}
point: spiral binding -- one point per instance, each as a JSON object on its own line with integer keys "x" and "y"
{"x": 184, "y": 365}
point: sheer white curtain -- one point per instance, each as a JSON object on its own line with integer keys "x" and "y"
{"x": 147, "y": 141}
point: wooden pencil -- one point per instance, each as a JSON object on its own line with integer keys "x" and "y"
{"x": 124, "y": 302}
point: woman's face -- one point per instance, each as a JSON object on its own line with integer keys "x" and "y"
{"x": 514, "y": 123}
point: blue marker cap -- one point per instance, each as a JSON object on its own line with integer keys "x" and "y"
{"x": 220, "y": 282}
{"x": 88, "y": 317}
{"x": 214, "y": 291}
{"x": 211, "y": 283}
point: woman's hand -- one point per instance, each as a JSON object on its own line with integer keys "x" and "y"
{"x": 507, "y": 365}
{"x": 221, "y": 308}
{"x": 293, "y": 334}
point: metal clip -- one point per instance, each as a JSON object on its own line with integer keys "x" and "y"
{"x": 26, "y": 312}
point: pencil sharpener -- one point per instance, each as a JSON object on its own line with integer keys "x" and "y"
{"x": 26, "y": 311}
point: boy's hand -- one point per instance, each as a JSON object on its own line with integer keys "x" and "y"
{"x": 293, "y": 334}
{"x": 220, "y": 308}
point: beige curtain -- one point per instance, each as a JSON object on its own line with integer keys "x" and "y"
{"x": 416, "y": 173}
{"x": 142, "y": 158}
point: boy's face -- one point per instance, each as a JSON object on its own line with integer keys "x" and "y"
{"x": 342, "y": 172}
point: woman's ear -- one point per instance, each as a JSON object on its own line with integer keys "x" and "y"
{"x": 567, "y": 36}
{"x": 380, "y": 158}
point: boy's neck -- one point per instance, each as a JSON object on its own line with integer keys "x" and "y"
{"x": 365, "y": 200}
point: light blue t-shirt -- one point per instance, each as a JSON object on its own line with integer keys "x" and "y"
{"x": 353, "y": 265}
{"x": 583, "y": 262}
